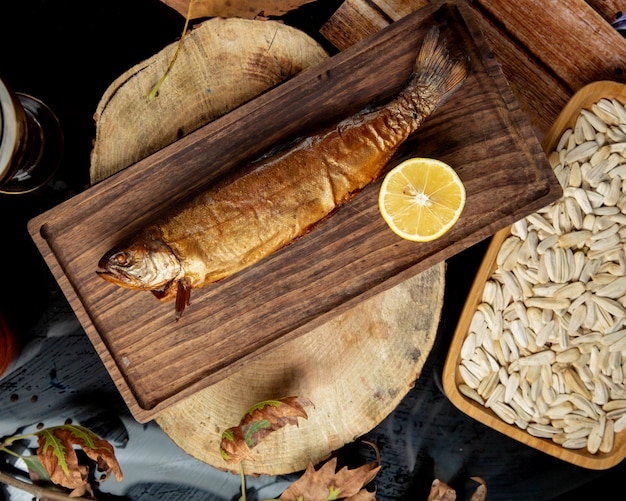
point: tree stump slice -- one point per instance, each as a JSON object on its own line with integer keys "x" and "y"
{"x": 222, "y": 64}
{"x": 355, "y": 369}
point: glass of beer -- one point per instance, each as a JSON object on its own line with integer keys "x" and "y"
{"x": 31, "y": 142}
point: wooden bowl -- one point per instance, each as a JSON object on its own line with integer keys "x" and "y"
{"x": 584, "y": 98}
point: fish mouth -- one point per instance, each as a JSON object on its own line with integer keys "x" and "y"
{"x": 109, "y": 276}
{"x": 105, "y": 274}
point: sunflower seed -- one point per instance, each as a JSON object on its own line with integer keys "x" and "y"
{"x": 575, "y": 443}
{"x": 504, "y": 412}
{"x": 595, "y": 436}
{"x": 470, "y": 392}
{"x": 605, "y": 110}
{"x": 581, "y": 152}
{"x": 620, "y": 110}
{"x": 469, "y": 345}
{"x": 596, "y": 122}
{"x": 608, "y": 438}
{"x": 546, "y": 348}
{"x": 620, "y": 424}
{"x": 470, "y": 379}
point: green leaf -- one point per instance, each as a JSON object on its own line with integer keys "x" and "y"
{"x": 34, "y": 466}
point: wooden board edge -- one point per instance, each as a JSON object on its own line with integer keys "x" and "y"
{"x": 145, "y": 414}
{"x": 35, "y": 227}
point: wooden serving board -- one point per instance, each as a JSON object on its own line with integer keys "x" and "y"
{"x": 351, "y": 256}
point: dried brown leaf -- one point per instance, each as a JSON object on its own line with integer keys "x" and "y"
{"x": 326, "y": 483}
{"x": 481, "y": 492}
{"x": 57, "y": 455}
{"x": 260, "y": 420}
{"x": 439, "y": 491}
{"x": 247, "y": 9}
{"x": 363, "y": 495}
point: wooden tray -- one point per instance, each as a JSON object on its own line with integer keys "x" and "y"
{"x": 155, "y": 361}
{"x": 584, "y": 98}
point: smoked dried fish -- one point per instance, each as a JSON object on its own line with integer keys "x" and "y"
{"x": 281, "y": 197}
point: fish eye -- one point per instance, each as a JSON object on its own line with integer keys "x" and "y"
{"x": 122, "y": 259}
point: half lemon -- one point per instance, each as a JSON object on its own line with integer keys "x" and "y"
{"x": 421, "y": 199}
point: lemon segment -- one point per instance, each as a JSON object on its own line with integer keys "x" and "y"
{"x": 421, "y": 199}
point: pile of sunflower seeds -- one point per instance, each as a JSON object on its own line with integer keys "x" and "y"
{"x": 546, "y": 348}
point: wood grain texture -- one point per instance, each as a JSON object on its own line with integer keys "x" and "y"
{"x": 233, "y": 61}
{"x": 584, "y": 98}
{"x": 549, "y": 52}
{"x": 348, "y": 258}
{"x": 610, "y": 10}
{"x": 355, "y": 20}
{"x": 356, "y": 368}
{"x": 574, "y": 59}
{"x": 546, "y": 56}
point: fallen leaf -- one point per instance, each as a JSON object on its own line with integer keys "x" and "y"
{"x": 84, "y": 487}
{"x": 57, "y": 455}
{"x": 481, "y": 492}
{"x": 439, "y": 491}
{"x": 248, "y": 9}
{"x": 326, "y": 483}
{"x": 36, "y": 472}
{"x": 363, "y": 495}
{"x": 258, "y": 422}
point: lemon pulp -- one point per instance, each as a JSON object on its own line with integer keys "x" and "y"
{"x": 421, "y": 199}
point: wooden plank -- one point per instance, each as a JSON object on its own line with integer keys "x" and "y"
{"x": 574, "y": 42}
{"x": 610, "y": 10}
{"x": 155, "y": 361}
{"x": 545, "y": 58}
{"x": 355, "y": 20}
{"x": 540, "y": 100}
{"x": 352, "y": 22}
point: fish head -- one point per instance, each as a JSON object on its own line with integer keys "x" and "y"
{"x": 144, "y": 263}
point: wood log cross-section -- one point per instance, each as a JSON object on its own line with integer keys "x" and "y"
{"x": 355, "y": 369}
{"x": 222, "y": 64}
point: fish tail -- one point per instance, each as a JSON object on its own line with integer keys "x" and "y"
{"x": 435, "y": 76}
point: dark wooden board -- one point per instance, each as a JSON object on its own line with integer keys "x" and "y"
{"x": 351, "y": 256}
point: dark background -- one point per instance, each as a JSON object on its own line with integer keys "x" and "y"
{"x": 66, "y": 53}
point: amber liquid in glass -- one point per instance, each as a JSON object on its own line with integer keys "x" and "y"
{"x": 31, "y": 142}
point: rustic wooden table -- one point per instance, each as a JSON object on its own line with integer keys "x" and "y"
{"x": 67, "y": 57}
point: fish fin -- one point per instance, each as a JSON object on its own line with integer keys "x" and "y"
{"x": 435, "y": 69}
{"x": 183, "y": 296}
{"x": 164, "y": 294}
